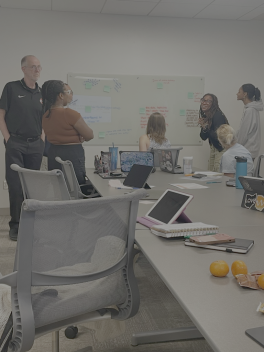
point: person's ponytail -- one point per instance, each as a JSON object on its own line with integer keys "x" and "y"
{"x": 257, "y": 94}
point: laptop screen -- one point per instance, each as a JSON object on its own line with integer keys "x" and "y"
{"x": 128, "y": 159}
{"x": 169, "y": 206}
{"x": 137, "y": 176}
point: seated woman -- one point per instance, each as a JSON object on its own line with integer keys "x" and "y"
{"x": 227, "y": 138}
{"x": 65, "y": 128}
{"x": 155, "y": 134}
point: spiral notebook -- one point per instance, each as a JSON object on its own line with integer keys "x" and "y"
{"x": 184, "y": 230}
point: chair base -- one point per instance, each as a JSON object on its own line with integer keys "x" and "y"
{"x": 166, "y": 336}
{"x": 56, "y": 348}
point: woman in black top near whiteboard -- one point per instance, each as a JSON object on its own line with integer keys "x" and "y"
{"x": 210, "y": 118}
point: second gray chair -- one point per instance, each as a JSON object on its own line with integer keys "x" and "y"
{"x": 72, "y": 182}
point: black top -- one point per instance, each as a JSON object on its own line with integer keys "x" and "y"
{"x": 23, "y": 108}
{"x": 217, "y": 120}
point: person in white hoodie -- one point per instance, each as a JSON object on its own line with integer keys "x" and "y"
{"x": 249, "y": 133}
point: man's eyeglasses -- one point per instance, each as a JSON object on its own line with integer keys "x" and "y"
{"x": 69, "y": 91}
{"x": 34, "y": 67}
{"x": 206, "y": 101}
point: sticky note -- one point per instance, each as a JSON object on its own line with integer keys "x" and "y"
{"x": 142, "y": 110}
{"x": 107, "y": 89}
{"x": 88, "y": 109}
{"x": 182, "y": 112}
{"x": 190, "y": 95}
{"x": 88, "y": 85}
{"x": 159, "y": 85}
{"x": 101, "y": 134}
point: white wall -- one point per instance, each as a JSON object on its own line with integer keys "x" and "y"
{"x": 227, "y": 53}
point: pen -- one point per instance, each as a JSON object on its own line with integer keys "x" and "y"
{"x": 214, "y": 182}
{"x": 118, "y": 188}
{"x": 189, "y": 175}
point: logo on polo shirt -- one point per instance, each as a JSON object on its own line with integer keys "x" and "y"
{"x": 21, "y": 96}
{"x": 41, "y": 101}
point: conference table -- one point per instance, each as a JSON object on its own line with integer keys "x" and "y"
{"x": 220, "y": 309}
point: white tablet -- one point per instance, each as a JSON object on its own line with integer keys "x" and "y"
{"x": 168, "y": 207}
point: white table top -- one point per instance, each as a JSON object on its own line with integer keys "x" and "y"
{"x": 220, "y": 309}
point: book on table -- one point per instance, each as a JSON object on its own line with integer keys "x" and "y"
{"x": 184, "y": 229}
{"x": 239, "y": 246}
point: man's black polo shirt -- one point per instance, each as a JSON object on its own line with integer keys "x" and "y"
{"x": 23, "y": 108}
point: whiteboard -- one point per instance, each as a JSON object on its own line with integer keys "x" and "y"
{"x": 117, "y": 107}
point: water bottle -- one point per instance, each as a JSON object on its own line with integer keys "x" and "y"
{"x": 241, "y": 169}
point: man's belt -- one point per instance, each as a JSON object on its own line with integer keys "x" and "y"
{"x": 27, "y": 139}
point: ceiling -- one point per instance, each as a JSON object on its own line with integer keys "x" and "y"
{"x": 206, "y": 9}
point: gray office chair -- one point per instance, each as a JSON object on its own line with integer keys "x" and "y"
{"x": 258, "y": 166}
{"x": 42, "y": 185}
{"x": 72, "y": 182}
{"x": 74, "y": 259}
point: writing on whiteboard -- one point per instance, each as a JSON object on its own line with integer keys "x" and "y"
{"x": 93, "y": 109}
{"x": 197, "y": 97}
{"x": 118, "y": 131}
{"x": 192, "y": 118}
{"x": 150, "y": 110}
{"x": 117, "y": 85}
{"x": 164, "y": 81}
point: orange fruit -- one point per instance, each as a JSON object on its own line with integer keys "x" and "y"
{"x": 239, "y": 267}
{"x": 261, "y": 281}
{"x": 219, "y": 268}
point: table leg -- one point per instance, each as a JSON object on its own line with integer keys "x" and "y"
{"x": 166, "y": 335}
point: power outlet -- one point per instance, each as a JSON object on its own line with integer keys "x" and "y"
{"x": 5, "y": 186}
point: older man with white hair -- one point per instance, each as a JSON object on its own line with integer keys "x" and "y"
{"x": 21, "y": 127}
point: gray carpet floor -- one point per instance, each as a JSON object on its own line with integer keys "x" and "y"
{"x": 158, "y": 310}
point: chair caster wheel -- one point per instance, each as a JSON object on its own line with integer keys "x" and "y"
{"x": 71, "y": 332}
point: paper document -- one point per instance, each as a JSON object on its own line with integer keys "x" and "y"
{"x": 206, "y": 178}
{"x": 209, "y": 173}
{"x": 188, "y": 185}
{"x": 117, "y": 184}
{"x": 146, "y": 202}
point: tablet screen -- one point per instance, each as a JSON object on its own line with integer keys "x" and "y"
{"x": 137, "y": 176}
{"x": 169, "y": 206}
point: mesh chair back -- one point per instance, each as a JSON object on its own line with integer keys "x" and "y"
{"x": 73, "y": 257}
{"x": 42, "y": 185}
{"x": 259, "y": 169}
{"x": 70, "y": 177}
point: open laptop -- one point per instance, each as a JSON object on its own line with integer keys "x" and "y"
{"x": 254, "y": 192}
{"x": 167, "y": 160}
{"x": 128, "y": 159}
{"x": 169, "y": 208}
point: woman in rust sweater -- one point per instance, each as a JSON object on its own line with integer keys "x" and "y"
{"x": 64, "y": 128}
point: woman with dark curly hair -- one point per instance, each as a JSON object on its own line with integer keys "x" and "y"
{"x": 210, "y": 118}
{"x": 64, "y": 128}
